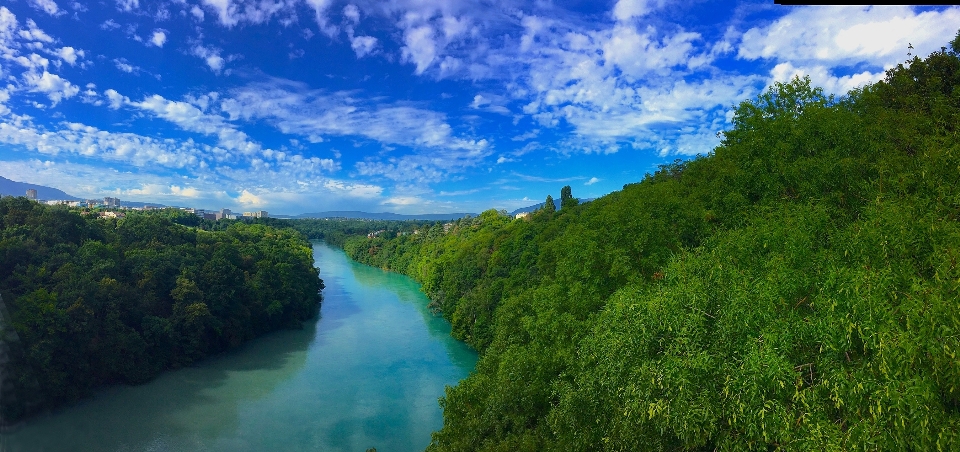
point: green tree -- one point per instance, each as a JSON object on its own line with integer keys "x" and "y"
{"x": 566, "y": 198}
{"x": 549, "y": 206}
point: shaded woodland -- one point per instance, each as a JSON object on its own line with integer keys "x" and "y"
{"x": 116, "y": 301}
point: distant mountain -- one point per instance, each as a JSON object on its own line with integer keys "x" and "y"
{"x": 354, "y": 214}
{"x": 14, "y": 188}
{"x": 526, "y": 209}
{"x": 141, "y": 204}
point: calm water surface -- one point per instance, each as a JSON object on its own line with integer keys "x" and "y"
{"x": 366, "y": 374}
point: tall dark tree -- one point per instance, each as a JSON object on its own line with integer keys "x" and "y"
{"x": 566, "y": 198}
{"x": 548, "y": 205}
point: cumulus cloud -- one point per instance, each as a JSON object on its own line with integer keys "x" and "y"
{"x": 230, "y": 13}
{"x": 352, "y": 13}
{"x": 115, "y": 99}
{"x": 225, "y": 11}
{"x": 625, "y": 10}
{"x": 48, "y": 6}
{"x": 158, "y": 38}
{"x": 248, "y": 199}
{"x": 363, "y": 45}
{"x": 69, "y": 54}
{"x": 320, "y": 8}
{"x": 55, "y": 87}
{"x": 877, "y": 35}
{"x": 420, "y": 48}
{"x": 197, "y": 12}
{"x": 128, "y": 5}
{"x": 34, "y": 33}
{"x": 592, "y": 181}
{"x": 109, "y": 24}
{"x": 210, "y": 55}
{"x": 823, "y": 77}
{"x": 8, "y": 26}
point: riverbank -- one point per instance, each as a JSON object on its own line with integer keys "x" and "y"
{"x": 367, "y": 373}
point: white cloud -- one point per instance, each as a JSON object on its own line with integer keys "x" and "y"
{"x": 489, "y": 102}
{"x": 363, "y": 45}
{"x": 420, "y": 48}
{"x": 225, "y": 11}
{"x": 197, "y": 12}
{"x": 34, "y": 33}
{"x": 878, "y": 35}
{"x": 278, "y": 192}
{"x": 158, "y": 38}
{"x": 128, "y": 5}
{"x": 187, "y": 116}
{"x": 192, "y": 119}
{"x": 90, "y": 142}
{"x": 637, "y": 53}
{"x": 69, "y": 54}
{"x": 210, "y": 55}
{"x": 823, "y": 77}
{"x": 48, "y": 6}
{"x": 352, "y": 13}
{"x": 234, "y": 12}
{"x": 294, "y": 109}
{"x": 115, "y": 99}
{"x": 109, "y": 24}
{"x": 625, "y": 10}
{"x": 55, "y": 87}
{"x": 320, "y": 8}
{"x": 8, "y": 26}
{"x": 592, "y": 181}
{"x": 124, "y": 66}
{"x": 248, "y": 199}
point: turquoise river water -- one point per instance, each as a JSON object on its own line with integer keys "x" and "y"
{"x": 367, "y": 374}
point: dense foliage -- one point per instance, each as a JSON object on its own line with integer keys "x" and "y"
{"x": 333, "y": 231}
{"x": 795, "y": 289}
{"x": 98, "y": 301}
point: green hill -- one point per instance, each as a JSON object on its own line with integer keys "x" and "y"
{"x": 796, "y": 289}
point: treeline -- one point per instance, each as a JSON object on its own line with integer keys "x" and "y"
{"x": 102, "y": 301}
{"x": 334, "y": 231}
{"x": 795, "y": 289}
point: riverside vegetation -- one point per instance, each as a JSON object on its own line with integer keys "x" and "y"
{"x": 795, "y": 289}
{"x": 103, "y": 301}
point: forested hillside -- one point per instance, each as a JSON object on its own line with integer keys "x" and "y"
{"x": 798, "y": 288}
{"x": 99, "y": 301}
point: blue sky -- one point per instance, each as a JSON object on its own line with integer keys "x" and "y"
{"x": 408, "y": 106}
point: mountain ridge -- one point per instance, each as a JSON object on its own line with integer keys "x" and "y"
{"x": 15, "y": 188}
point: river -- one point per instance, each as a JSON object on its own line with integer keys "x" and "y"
{"x": 366, "y": 374}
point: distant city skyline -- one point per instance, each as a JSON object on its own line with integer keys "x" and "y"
{"x": 406, "y": 106}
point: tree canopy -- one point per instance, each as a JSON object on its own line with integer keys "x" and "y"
{"x": 794, "y": 289}
{"x": 101, "y": 301}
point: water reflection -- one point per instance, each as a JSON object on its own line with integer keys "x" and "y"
{"x": 409, "y": 292}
